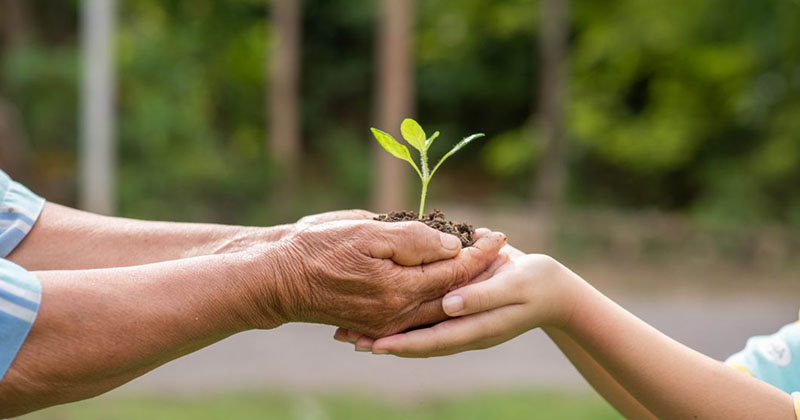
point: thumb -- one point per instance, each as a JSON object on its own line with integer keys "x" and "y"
{"x": 412, "y": 243}
{"x": 438, "y": 278}
{"x": 480, "y": 297}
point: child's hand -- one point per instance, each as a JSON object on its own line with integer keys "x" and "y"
{"x": 527, "y": 292}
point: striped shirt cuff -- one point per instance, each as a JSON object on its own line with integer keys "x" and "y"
{"x": 20, "y": 296}
{"x": 19, "y": 209}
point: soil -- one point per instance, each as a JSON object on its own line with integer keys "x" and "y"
{"x": 435, "y": 219}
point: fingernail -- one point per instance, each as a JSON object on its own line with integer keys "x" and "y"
{"x": 450, "y": 241}
{"x": 453, "y": 304}
{"x": 363, "y": 349}
{"x": 381, "y": 351}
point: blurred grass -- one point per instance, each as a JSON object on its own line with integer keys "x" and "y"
{"x": 271, "y": 405}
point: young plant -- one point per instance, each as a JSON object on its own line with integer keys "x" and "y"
{"x": 415, "y": 136}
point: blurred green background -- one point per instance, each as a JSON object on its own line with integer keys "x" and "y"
{"x": 691, "y": 107}
{"x": 680, "y": 143}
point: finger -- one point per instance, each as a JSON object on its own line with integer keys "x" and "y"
{"x": 341, "y": 335}
{"x": 449, "y": 337}
{"x": 483, "y": 296}
{"x": 346, "y": 336}
{"x": 364, "y": 344}
{"x": 438, "y": 278}
{"x": 432, "y": 312}
{"x": 428, "y": 313}
{"x": 353, "y": 336}
{"x": 480, "y": 233}
{"x": 411, "y": 243}
{"x": 511, "y": 251}
{"x": 501, "y": 260}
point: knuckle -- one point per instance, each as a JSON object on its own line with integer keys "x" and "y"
{"x": 419, "y": 228}
{"x": 362, "y": 235}
{"x": 478, "y": 300}
{"x": 411, "y": 231}
{"x": 546, "y": 264}
{"x": 518, "y": 282}
{"x": 460, "y": 273}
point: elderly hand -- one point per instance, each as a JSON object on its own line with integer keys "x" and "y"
{"x": 332, "y": 216}
{"x": 517, "y": 293}
{"x": 376, "y": 278}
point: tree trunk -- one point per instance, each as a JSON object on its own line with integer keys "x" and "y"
{"x": 394, "y": 96}
{"x": 98, "y": 148}
{"x": 549, "y": 185}
{"x": 14, "y": 156}
{"x": 15, "y": 23}
{"x": 284, "y": 132}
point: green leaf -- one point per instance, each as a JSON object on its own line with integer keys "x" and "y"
{"x": 413, "y": 133}
{"x": 429, "y": 142}
{"x": 455, "y": 149}
{"x": 394, "y": 147}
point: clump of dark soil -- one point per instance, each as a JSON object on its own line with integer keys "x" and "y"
{"x": 436, "y": 220}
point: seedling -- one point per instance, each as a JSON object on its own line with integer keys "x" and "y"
{"x": 415, "y": 136}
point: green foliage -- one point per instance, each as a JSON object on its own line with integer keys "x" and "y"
{"x": 41, "y": 83}
{"x": 415, "y": 136}
{"x": 511, "y": 153}
{"x": 686, "y": 106}
{"x": 394, "y": 148}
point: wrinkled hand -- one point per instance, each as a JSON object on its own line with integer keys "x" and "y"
{"x": 515, "y": 294}
{"x": 332, "y": 216}
{"x": 376, "y": 278}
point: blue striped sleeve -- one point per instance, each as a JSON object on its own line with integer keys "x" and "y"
{"x": 20, "y": 296}
{"x": 19, "y": 209}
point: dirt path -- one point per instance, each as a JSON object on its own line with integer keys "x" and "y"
{"x": 304, "y": 357}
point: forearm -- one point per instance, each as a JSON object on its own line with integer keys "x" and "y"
{"x": 98, "y": 329}
{"x": 671, "y": 380}
{"x": 69, "y": 239}
{"x": 599, "y": 379}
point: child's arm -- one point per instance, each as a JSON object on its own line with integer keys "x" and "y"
{"x": 595, "y": 375}
{"x": 599, "y": 379}
{"x": 669, "y": 379}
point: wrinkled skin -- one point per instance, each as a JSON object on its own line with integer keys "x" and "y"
{"x": 372, "y": 277}
{"x": 332, "y": 216}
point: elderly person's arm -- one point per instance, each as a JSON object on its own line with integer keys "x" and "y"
{"x": 69, "y": 239}
{"x": 60, "y": 238}
{"x": 97, "y": 329}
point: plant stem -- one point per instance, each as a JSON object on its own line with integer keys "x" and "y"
{"x": 422, "y": 199}
{"x": 426, "y": 177}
